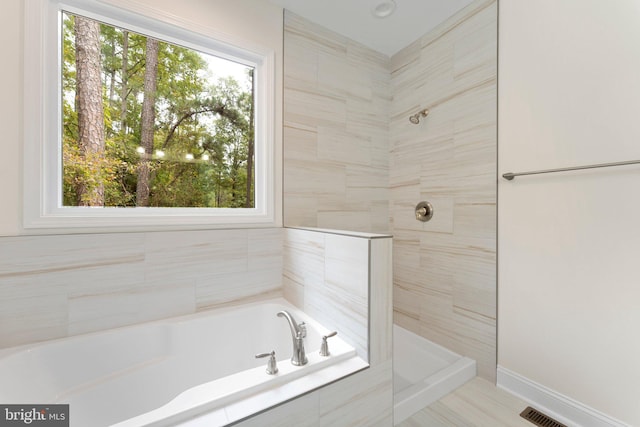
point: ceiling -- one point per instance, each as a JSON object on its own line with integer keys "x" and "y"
{"x": 354, "y": 19}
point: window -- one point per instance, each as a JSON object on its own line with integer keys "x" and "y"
{"x": 150, "y": 123}
{"x": 138, "y": 123}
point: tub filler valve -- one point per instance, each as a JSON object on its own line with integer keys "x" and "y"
{"x": 324, "y": 347}
{"x": 272, "y": 367}
{"x": 298, "y": 333}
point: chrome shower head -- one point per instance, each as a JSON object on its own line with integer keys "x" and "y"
{"x": 415, "y": 119}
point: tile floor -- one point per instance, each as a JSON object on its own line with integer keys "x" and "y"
{"x": 478, "y": 403}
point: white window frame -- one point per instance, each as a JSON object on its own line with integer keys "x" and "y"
{"x": 42, "y": 201}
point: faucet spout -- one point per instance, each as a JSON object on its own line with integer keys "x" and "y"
{"x": 295, "y": 330}
{"x": 298, "y": 333}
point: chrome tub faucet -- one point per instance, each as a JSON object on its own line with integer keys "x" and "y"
{"x": 298, "y": 333}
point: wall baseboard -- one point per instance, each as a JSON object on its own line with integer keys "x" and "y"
{"x": 554, "y": 404}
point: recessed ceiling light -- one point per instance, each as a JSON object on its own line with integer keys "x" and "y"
{"x": 383, "y": 8}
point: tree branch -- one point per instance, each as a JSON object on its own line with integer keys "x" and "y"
{"x": 233, "y": 116}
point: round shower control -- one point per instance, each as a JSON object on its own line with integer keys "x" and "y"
{"x": 424, "y": 211}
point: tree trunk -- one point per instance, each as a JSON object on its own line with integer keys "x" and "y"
{"x": 148, "y": 121}
{"x": 112, "y": 74}
{"x": 124, "y": 73}
{"x": 250, "y": 149}
{"x": 112, "y": 86}
{"x": 89, "y": 105}
{"x": 235, "y": 165}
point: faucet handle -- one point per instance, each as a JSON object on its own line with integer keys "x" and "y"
{"x": 272, "y": 367}
{"x": 324, "y": 347}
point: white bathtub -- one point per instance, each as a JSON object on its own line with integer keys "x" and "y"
{"x": 169, "y": 372}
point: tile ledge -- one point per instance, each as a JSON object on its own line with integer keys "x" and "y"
{"x": 344, "y": 232}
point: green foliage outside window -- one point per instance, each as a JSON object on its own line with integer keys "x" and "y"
{"x": 169, "y": 135}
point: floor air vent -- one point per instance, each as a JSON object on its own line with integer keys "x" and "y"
{"x": 539, "y": 419}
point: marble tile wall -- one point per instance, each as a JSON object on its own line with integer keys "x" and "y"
{"x": 445, "y": 269}
{"x": 361, "y": 400}
{"x": 336, "y": 130}
{"x": 341, "y": 272}
{"x": 58, "y": 286}
{"x": 336, "y": 136}
{"x": 328, "y": 276}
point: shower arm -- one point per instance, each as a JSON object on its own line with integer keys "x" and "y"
{"x": 415, "y": 119}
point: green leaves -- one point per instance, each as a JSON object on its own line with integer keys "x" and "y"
{"x": 197, "y": 115}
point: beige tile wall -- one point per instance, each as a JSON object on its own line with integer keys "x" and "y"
{"x": 57, "y": 286}
{"x": 340, "y": 300}
{"x": 361, "y": 400}
{"x": 336, "y": 131}
{"x": 341, "y": 273}
{"x": 336, "y": 136}
{"x": 328, "y": 276}
{"x": 445, "y": 269}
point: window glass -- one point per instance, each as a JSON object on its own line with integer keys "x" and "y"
{"x": 148, "y": 123}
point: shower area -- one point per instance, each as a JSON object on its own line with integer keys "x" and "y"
{"x": 367, "y": 138}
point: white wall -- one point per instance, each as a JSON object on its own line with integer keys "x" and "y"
{"x": 11, "y": 113}
{"x": 255, "y": 21}
{"x": 569, "y": 244}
